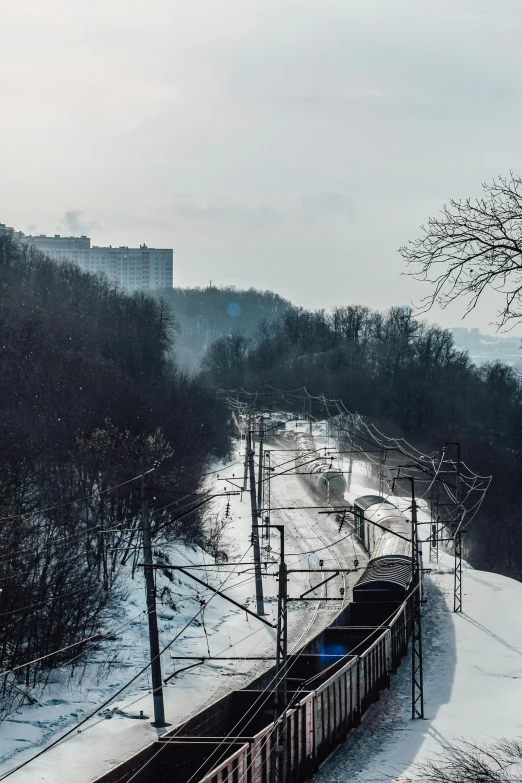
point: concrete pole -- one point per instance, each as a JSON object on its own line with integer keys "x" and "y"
{"x": 255, "y": 529}
{"x": 157, "y": 687}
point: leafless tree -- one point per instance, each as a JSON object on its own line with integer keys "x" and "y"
{"x": 471, "y": 246}
{"x": 473, "y": 762}
{"x": 215, "y": 535}
{"x": 86, "y": 385}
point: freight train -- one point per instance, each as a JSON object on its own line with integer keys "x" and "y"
{"x": 326, "y": 482}
{"x": 331, "y": 681}
{"x": 371, "y": 509}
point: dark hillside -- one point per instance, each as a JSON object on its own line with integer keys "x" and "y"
{"x": 85, "y": 386}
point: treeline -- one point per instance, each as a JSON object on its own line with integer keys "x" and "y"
{"x": 408, "y": 377}
{"x": 86, "y": 387}
{"x": 206, "y": 314}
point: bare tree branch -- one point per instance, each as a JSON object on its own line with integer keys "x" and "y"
{"x": 471, "y": 246}
{"x": 473, "y": 762}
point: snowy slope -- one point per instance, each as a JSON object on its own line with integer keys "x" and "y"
{"x": 472, "y": 679}
{"x": 117, "y": 732}
{"x": 473, "y": 661}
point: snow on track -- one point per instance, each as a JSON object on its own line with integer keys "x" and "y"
{"x": 113, "y": 736}
{"x": 472, "y": 661}
{"x": 472, "y": 681}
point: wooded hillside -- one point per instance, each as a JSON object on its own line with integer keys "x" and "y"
{"x": 409, "y": 378}
{"x": 86, "y": 387}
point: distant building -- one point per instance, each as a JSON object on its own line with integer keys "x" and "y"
{"x": 488, "y": 348}
{"x": 132, "y": 269}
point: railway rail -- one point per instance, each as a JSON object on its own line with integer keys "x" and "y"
{"x": 331, "y": 679}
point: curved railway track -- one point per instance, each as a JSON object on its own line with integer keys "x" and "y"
{"x": 297, "y": 533}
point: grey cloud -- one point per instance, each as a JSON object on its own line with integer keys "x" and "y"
{"x": 326, "y": 203}
{"x": 271, "y": 117}
{"x": 189, "y": 208}
{"x": 73, "y": 222}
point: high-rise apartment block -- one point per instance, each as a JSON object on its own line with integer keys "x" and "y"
{"x": 132, "y": 269}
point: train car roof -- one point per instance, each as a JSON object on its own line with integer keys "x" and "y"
{"x": 379, "y": 512}
{"x": 384, "y": 571}
{"x": 365, "y": 501}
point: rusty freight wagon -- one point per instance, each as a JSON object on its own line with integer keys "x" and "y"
{"x": 331, "y": 681}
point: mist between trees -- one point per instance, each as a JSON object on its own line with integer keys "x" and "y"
{"x": 407, "y": 377}
{"x": 86, "y": 385}
{"x": 206, "y": 314}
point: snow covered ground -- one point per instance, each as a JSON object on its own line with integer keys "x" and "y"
{"x": 472, "y": 682}
{"x": 116, "y": 732}
{"x": 472, "y": 661}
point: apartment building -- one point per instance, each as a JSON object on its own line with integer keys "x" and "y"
{"x": 132, "y": 269}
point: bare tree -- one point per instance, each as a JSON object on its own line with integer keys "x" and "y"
{"x": 471, "y": 246}
{"x": 472, "y": 762}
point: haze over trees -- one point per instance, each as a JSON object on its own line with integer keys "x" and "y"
{"x": 86, "y": 387}
{"x": 206, "y": 314}
{"x": 409, "y": 378}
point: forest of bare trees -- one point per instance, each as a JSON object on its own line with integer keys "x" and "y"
{"x": 409, "y": 378}
{"x": 86, "y": 387}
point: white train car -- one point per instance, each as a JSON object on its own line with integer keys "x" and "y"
{"x": 325, "y": 481}
{"x": 378, "y": 542}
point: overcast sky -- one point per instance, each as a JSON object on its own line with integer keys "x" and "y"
{"x": 283, "y": 144}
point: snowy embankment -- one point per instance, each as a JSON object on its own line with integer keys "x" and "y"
{"x": 472, "y": 661}
{"x": 472, "y": 681}
{"x": 116, "y": 732}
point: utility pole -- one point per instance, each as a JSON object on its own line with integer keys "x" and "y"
{"x": 457, "y": 536}
{"x": 260, "y": 468}
{"x": 457, "y": 473}
{"x": 255, "y": 529}
{"x": 247, "y": 441}
{"x": 157, "y": 688}
{"x": 417, "y": 685}
{"x": 266, "y": 494}
{"x": 435, "y": 515}
{"x": 381, "y": 472}
{"x": 457, "y": 593}
{"x": 279, "y": 758}
{"x": 350, "y": 466}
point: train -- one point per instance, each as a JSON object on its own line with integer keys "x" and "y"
{"x": 332, "y": 680}
{"x": 318, "y": 473}
{"x": 379, "y": 542}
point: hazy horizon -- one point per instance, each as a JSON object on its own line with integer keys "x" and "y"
{"x": 286, "y": 146}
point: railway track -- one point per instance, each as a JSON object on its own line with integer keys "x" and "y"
{"x": 336, "y": 672}
{"x": 297, "y": 535}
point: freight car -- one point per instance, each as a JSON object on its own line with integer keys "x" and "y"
{"x": 370, "y": 509}
{"x": 331, "y": 681}
{"x": 325, "y": 481}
